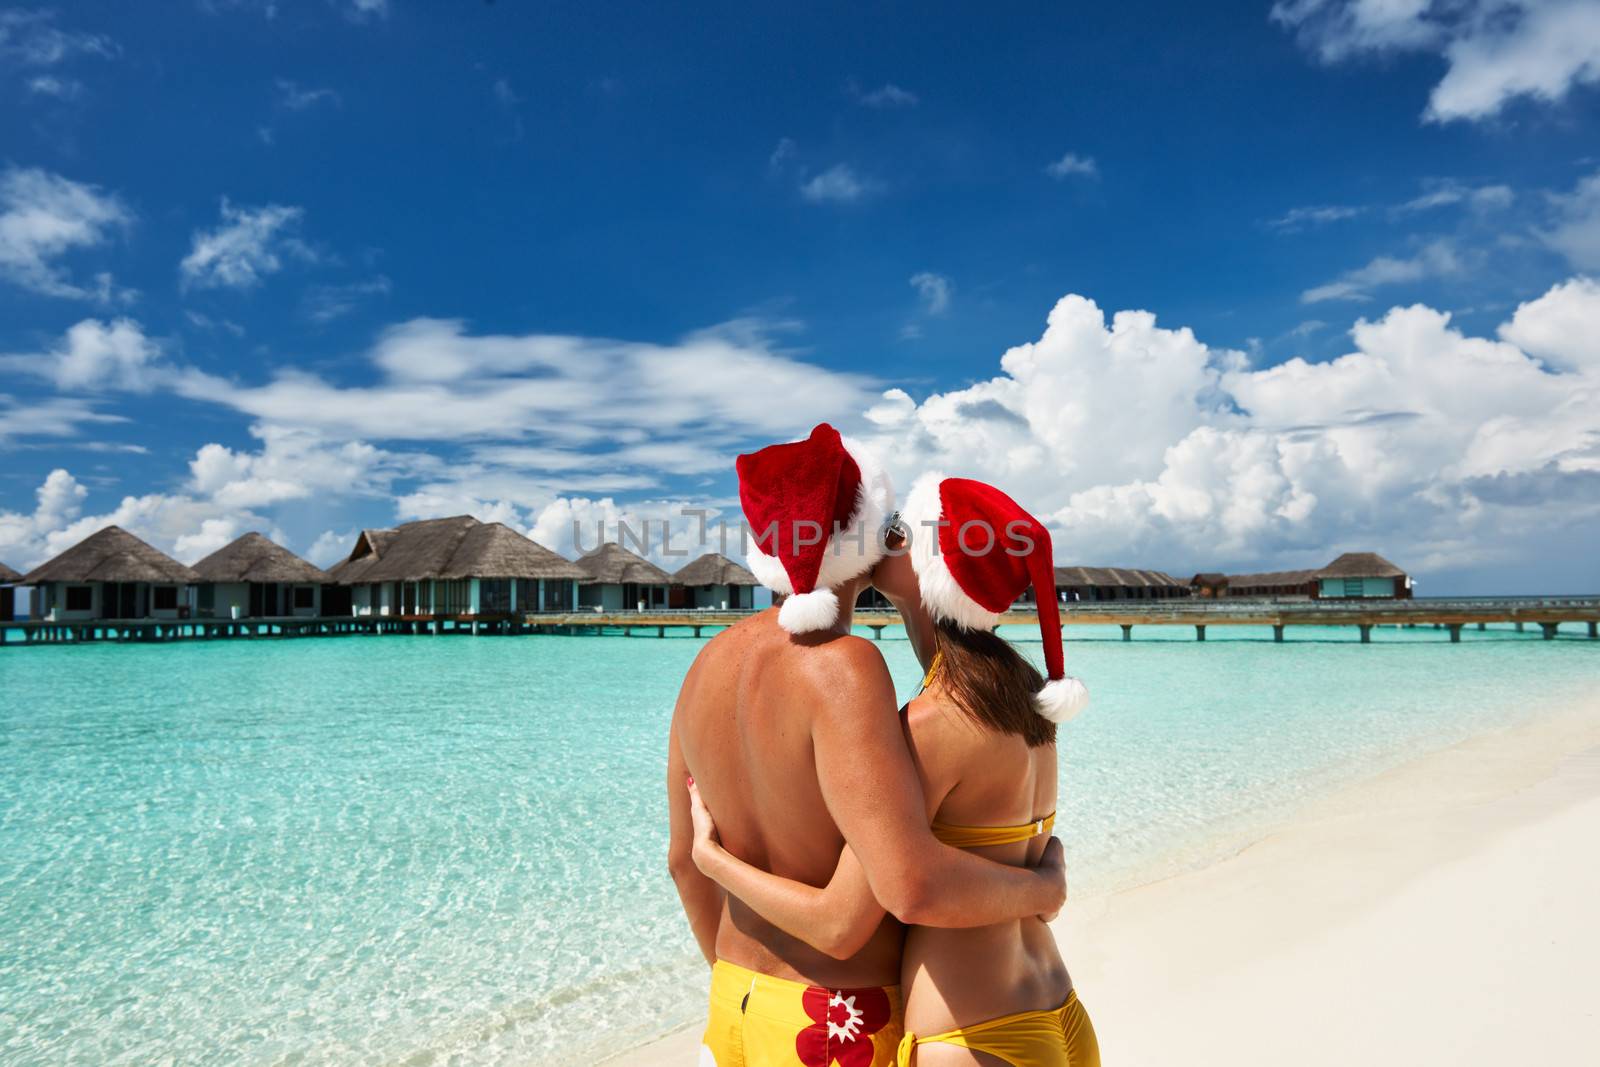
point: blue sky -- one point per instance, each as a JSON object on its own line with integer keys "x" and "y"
{"x": 306, "y": 266}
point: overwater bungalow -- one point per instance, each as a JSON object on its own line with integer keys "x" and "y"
{"x": 713, "y": 581}
{"x": 616, "y": 579}
{"x": 1362, "y": 574}
{"x": 1273, "y": 584}
{"x": 1115, "y": 583}
{"x": 111, "y": 574}
{"x": 455, "y": 567}
{"x": 8, "y": 595}
{"x": 1352, "y": 575}
{"x": 253, "y": 578}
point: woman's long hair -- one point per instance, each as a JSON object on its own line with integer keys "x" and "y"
{"x": 992, "y": 683}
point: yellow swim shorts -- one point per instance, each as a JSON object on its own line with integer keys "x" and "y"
{"x": 760, "y": 1021}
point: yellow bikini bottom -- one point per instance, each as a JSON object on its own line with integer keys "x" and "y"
{"x": 1063, "y": 1037}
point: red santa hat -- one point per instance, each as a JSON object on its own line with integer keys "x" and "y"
{"x": 815, "y": 509}
{"x": 975, "y": 551}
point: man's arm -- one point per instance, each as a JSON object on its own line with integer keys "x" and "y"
{"x": 701, "y": 897}
{"x": 871, "y": 788}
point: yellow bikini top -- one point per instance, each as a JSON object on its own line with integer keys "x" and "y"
{"x": 982, "y": 836}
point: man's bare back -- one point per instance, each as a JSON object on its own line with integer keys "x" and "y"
{"x": 744, "y": 724}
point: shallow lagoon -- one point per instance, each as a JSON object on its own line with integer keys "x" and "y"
{"x": 450, "y": 849}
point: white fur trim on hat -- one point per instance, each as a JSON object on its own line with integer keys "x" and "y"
{"x": 1060, "y": 700}
{"x": 805, "y": 612}
{"x": 857, "y": 547}
{"x": 941, "y": 595}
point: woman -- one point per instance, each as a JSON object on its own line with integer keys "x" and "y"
{"x": 982, "y": 732}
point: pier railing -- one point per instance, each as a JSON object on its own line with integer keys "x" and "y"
{"x": 1451, "y": 614}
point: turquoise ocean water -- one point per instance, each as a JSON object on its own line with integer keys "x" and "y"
{"x": 449, "y": 850}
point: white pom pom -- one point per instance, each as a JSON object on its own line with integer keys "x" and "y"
{"x": 805, "y": 612}
{"x": 1060, "y": 701}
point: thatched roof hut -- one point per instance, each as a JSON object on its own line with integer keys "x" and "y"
{"x": 713, "y": 568}
{"x": 611, "y": 564}
{"x": 112, "y": 555}
{"x": 8, "y": 576}
{"x": 452, "y": 548}
{"x": 494, "y": 550}
{"x": 254, "y": 558}
{"x": 1115, "y": 576}
{"x": 1116, "y": 583}
{"x": 1360, "y": 565}
{"x": 1272, "y": 583}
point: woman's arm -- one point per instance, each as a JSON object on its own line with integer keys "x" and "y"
{"x": 701, "y": 898}
{"x": 897, "y": 581}
{"x": 838, "y": 919}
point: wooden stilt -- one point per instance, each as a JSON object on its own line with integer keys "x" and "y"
{"x": 1127, "y": 631}
{"x": 1455, "y": 633}
{"x": 1366, "y": 634}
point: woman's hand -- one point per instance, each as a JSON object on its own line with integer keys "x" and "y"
{"x": 706, "y": 842}
{"x": 895, "y": 579}
{"x": 1054, "y": 863}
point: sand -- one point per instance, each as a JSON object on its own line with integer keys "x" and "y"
{"x": 1445, "y": 912}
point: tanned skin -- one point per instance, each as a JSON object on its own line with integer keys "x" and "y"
{"x": 796, "y": 743}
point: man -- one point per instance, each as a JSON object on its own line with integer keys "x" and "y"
{"x": 788, "y": 726}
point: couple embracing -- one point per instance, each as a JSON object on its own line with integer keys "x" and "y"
{"x": 872, "y": 887}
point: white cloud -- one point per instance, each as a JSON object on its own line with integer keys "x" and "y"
{"x": 330, "y": 547}
{"x": 888, "y": 96}
{"x": 1147, "y": 447}
{"x": 1495, "y": 51}
{"x": 32, "y": 39}
{"x": 438, "y": 382}
{"x": 1434, "y": 260}
{"x": 94, "y": 356}
{"x": 297, "y": 97}
{"x": 934, "y": 290}
{"x": 839, "y": 184}
{"x": 180, "y": 524}
{"x": 57, "y": 87}
{"x": 1561, "y": 328}
{"x": 59, "y": 501}
{"x": 63, "y": 417}
{"x": 201, "y": 321}
{"x": 43, "y": 217}
{"x": 672, "y": 532}
{"x": 782, "y": 154}
{"x": 219, "y": 501}
{"x": 1448, "y": 192}
{"x": 292, "y": 465}
{"x": 1575, "y": 232}
{"x": 1301, "y": 218}
{"x": 1071, "y": 165}
{"x": 324, "y": 303}
{"x": 250, "y": 244}
{"x": 363, "y": 10}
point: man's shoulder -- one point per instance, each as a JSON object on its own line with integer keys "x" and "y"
{"x": 843, "y": 664}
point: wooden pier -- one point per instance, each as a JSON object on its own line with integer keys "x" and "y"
{"x": 1548, "y": 614}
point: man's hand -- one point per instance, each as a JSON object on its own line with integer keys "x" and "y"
{"x": 1053, "y": 864}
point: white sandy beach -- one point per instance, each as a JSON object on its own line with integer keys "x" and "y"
{"x": 1444, "y": 912}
